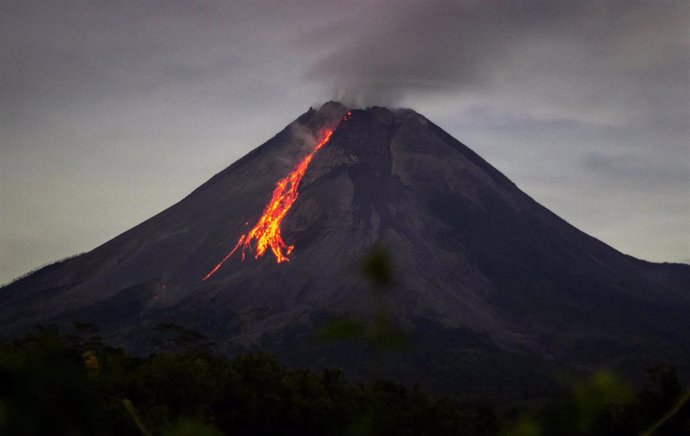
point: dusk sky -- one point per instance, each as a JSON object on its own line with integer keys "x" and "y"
{"x": 111, "y": 111}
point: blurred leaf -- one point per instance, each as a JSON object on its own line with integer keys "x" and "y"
{"x": 362, "y": 424}
{"x": 601, "y": 390}
{"x": 135, "y": 416}
{"x": 342, "y": 329}
{"x": 385, "y": 335}
{"x": 189, "y": 427}
{"x": 524, "y": 427}
{"x": 378, "y": 268}
{"x": 668, "y": 416}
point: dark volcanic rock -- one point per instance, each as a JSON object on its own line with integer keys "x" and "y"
{"x": 492, "y": 288}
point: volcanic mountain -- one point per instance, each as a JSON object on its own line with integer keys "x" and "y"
{"x": 494, "y": 291}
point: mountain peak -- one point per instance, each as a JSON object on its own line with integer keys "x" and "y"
{"x": 270, "y": 247}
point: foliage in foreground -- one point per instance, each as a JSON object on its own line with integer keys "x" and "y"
{"x": 52, "y": 385}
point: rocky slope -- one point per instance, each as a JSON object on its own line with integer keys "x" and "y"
{"x": 493, "y": 289}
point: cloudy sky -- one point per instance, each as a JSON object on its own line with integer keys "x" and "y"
{"x": 111, "y": 111}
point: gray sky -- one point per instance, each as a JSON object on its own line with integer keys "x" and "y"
{"x": 111, "y": 111}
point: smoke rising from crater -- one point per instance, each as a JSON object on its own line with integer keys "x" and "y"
{"x": 393, "y": 49}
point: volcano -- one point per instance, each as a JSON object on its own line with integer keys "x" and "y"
{"x": 495, "y": 292}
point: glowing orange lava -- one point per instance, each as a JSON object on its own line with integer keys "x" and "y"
{"x": 266, "y": 232}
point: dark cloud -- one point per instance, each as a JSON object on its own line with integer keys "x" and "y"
{"x": 582, "y": 51}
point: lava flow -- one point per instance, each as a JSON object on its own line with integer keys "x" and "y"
{"x": 266, "y": 232}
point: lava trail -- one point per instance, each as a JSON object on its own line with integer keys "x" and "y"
{"x": 266, "y": 232}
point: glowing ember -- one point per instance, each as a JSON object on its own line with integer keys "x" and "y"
{"x": 266, "y": 232}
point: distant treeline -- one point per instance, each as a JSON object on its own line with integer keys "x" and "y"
{"x": 76, "y": 385}
{"x": 42, "y": 267}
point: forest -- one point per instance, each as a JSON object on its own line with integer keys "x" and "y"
{"x": 56, "y": 384}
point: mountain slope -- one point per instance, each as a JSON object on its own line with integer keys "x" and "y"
{"x": 483, "y": 273}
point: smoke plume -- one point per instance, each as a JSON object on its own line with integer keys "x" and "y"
{"x": 396, "y": 48}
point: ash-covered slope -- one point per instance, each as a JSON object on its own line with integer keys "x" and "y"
{"x": 486, "y": 278}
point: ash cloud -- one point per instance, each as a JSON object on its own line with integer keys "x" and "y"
{"x": 395, "y": 49}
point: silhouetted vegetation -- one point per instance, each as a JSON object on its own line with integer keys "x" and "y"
{"x": 44, "y": 267}
{"x": 57, "y": 385}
